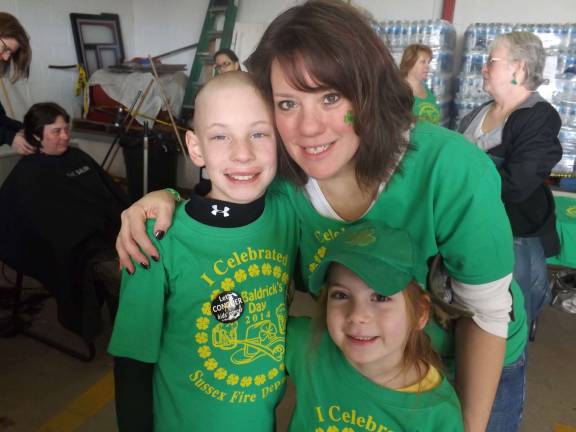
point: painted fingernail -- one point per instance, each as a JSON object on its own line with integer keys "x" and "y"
{"x": 159, "y": 234}
{"x": 129, "y": 272}
{"x": 145, "y": 266}
{"x": 155, "y": 258}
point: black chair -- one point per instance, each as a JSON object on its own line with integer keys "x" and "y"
{"x": 21, "y": 316}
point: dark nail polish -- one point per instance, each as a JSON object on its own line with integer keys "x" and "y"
{"x": 145, "y": 266}
{"x": 159, "y": 234}
{"x": 155, "y": 258}
{"x": 129, "y": 272}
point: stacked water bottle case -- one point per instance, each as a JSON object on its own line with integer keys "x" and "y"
{"x": 559, "y": 41}
{"x": 440, "y": 36}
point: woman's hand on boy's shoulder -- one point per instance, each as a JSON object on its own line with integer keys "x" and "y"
{"x": 133, "y": 242}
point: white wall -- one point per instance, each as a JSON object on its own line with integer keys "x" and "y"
{"x": 48, "y": 23}
{"x": 514, "y": 11}
{"x": 165, "y": 25}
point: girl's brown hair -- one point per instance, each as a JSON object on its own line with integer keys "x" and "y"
{"x": 334, "y": 44}
{"x": 410, "y": 57}
{"x": 10, "y": 27}
{"x": 419, "y": 351}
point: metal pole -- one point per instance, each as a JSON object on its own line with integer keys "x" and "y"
{"x": 167, "y": 105}
{"x": 132, "y": 114}
{"x": 121, "y": 129}
{"x": 145, "y": 160}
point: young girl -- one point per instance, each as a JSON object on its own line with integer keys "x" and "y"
{"x": 369, "y": 365}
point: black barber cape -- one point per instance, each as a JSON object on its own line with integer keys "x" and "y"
{"x": 56, "y": 212}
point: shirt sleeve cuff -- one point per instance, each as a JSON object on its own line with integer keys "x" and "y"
{"x": 491, "y": 303}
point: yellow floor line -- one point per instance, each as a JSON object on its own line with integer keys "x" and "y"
{"x": 563, "y": 428}
{"x": 83, "y": 408}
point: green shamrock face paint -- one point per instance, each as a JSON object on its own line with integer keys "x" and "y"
{"x": 349, "y": 117}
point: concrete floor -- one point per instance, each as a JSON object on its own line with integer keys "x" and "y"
{"x": 44, "y": 390}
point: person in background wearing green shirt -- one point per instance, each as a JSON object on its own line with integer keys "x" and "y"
{"x": 414, "y": 67}
{"x": 199, "y": 338}
{"x": 367, "y": 364}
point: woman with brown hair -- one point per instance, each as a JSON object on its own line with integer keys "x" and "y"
{"x": 414, "y": 67}
{"x": 15, "y": 56}
{"x": 226, "y": 60}
{"x": 351, "y": 151}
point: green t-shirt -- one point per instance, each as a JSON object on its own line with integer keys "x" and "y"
{"x": 447, "y": 196}
{"x": 213, "y": 372}
{"x": 566, "y": 228}
{"x": 333, "y": 396}
{"x": 426, "y": 109}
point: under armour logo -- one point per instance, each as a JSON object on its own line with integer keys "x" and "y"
{"x": 216, "y": 210}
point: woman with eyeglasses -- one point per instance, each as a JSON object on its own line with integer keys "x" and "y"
{"x": 15, "y": 54}
{"x": 226, "y": 60}
{"x": 414, "y": 67}
{"x": 519, "y": 131}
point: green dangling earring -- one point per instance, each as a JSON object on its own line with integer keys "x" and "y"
{"x": 514, "y": 82}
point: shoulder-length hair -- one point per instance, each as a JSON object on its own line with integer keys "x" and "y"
{"x": 334, "y": 44}
{"x": 410, "y": 57}
{"x": 38, "y": 116}
{"x": 10, "y": 27}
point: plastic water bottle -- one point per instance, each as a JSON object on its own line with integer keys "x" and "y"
{"x": 470, "y": 38}
{"x": 397, "y": 39}
{"x": 490, "y": 34}
{"x": 428, "y": 30}
{"x": 571, "y": 37}
{"x": 481, "y": 37}
{"x": 405, "y": 40}
{"x": 434, "y": 37}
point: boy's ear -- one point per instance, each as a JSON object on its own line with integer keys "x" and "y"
{"x": 194, "y": 150}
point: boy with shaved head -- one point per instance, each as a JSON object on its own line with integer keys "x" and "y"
{"x": 199, "y": 337}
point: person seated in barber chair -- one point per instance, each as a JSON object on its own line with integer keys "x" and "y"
{"x": 59, "y": 219}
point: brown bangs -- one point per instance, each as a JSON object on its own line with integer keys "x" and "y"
{"x": 300, "y": 68}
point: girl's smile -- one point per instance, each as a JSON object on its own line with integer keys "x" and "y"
{"x": 370, "y": 329}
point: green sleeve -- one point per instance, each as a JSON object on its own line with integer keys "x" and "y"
{"x": 297, "y": 341}
{"x": 139, "y": 322}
